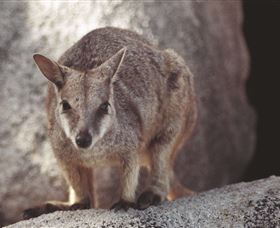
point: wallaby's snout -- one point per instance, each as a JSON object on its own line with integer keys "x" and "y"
{"x": 83, "y": 139}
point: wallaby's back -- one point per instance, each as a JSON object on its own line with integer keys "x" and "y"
{"x": 99, "y": 45}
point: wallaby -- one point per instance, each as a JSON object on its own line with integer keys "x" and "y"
{"x": 113, "y": 97}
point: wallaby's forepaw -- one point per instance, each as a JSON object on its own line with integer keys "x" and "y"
{"x": 80, "y": 206}
{"x": 147, "y": 199}
{"x": 39, "y": 210}
{"x": 123, "y": 205}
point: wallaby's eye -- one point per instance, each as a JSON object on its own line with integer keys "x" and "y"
{"x": 65, "y": 105}
{"x": 105, "y": 107}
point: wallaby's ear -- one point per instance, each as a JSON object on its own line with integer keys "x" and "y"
{"x": 112, "y": 65}
{"x": 50, "y": 69}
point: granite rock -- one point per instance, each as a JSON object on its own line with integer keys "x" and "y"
{"x": 254, "y": 204}
{"x": 209, "y": 37}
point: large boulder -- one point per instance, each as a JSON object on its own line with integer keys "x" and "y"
{"x": 209, "y": 37}
{"x": 255, "y": 204}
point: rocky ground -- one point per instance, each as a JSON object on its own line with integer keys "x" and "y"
{"x": 254, "y": 204}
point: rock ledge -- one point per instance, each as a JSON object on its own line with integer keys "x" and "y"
{"x": 253, "y": 204}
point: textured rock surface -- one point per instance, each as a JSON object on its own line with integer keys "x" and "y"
{"x": 255, "y": 204}
{"x": 209, "y": 37}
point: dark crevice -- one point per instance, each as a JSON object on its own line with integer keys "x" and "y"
{"x": 261, "y": 28}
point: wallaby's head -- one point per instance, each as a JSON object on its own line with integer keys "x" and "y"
{"x": 85, "y": 107}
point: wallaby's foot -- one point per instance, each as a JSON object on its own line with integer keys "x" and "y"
{"x": 177, "y": 190}
{"x": 39, "y": 210}
{"x": 52, "y": 207}
{"x": 80, "y": 206}
{"x": 147, "y": 199}
{"x": 123, "y": 205}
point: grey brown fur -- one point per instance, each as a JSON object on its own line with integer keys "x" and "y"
{"x": 151, "y": 112}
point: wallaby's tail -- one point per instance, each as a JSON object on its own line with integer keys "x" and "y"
{"x": 177, "y": 190}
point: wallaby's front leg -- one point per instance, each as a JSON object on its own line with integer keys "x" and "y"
{"x": 80, "y": 180}
{"x": 159, "y": 151}
{"x": 129, "y": 182}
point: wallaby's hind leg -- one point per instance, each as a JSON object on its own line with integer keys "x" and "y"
{"x": 164, "y": 184}
{"x": 80, "y": 194}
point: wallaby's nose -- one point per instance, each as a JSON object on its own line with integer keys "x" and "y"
{"x": 83, "y": 139}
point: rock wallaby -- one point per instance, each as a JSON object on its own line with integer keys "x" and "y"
{"x": 113, "y": 97}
